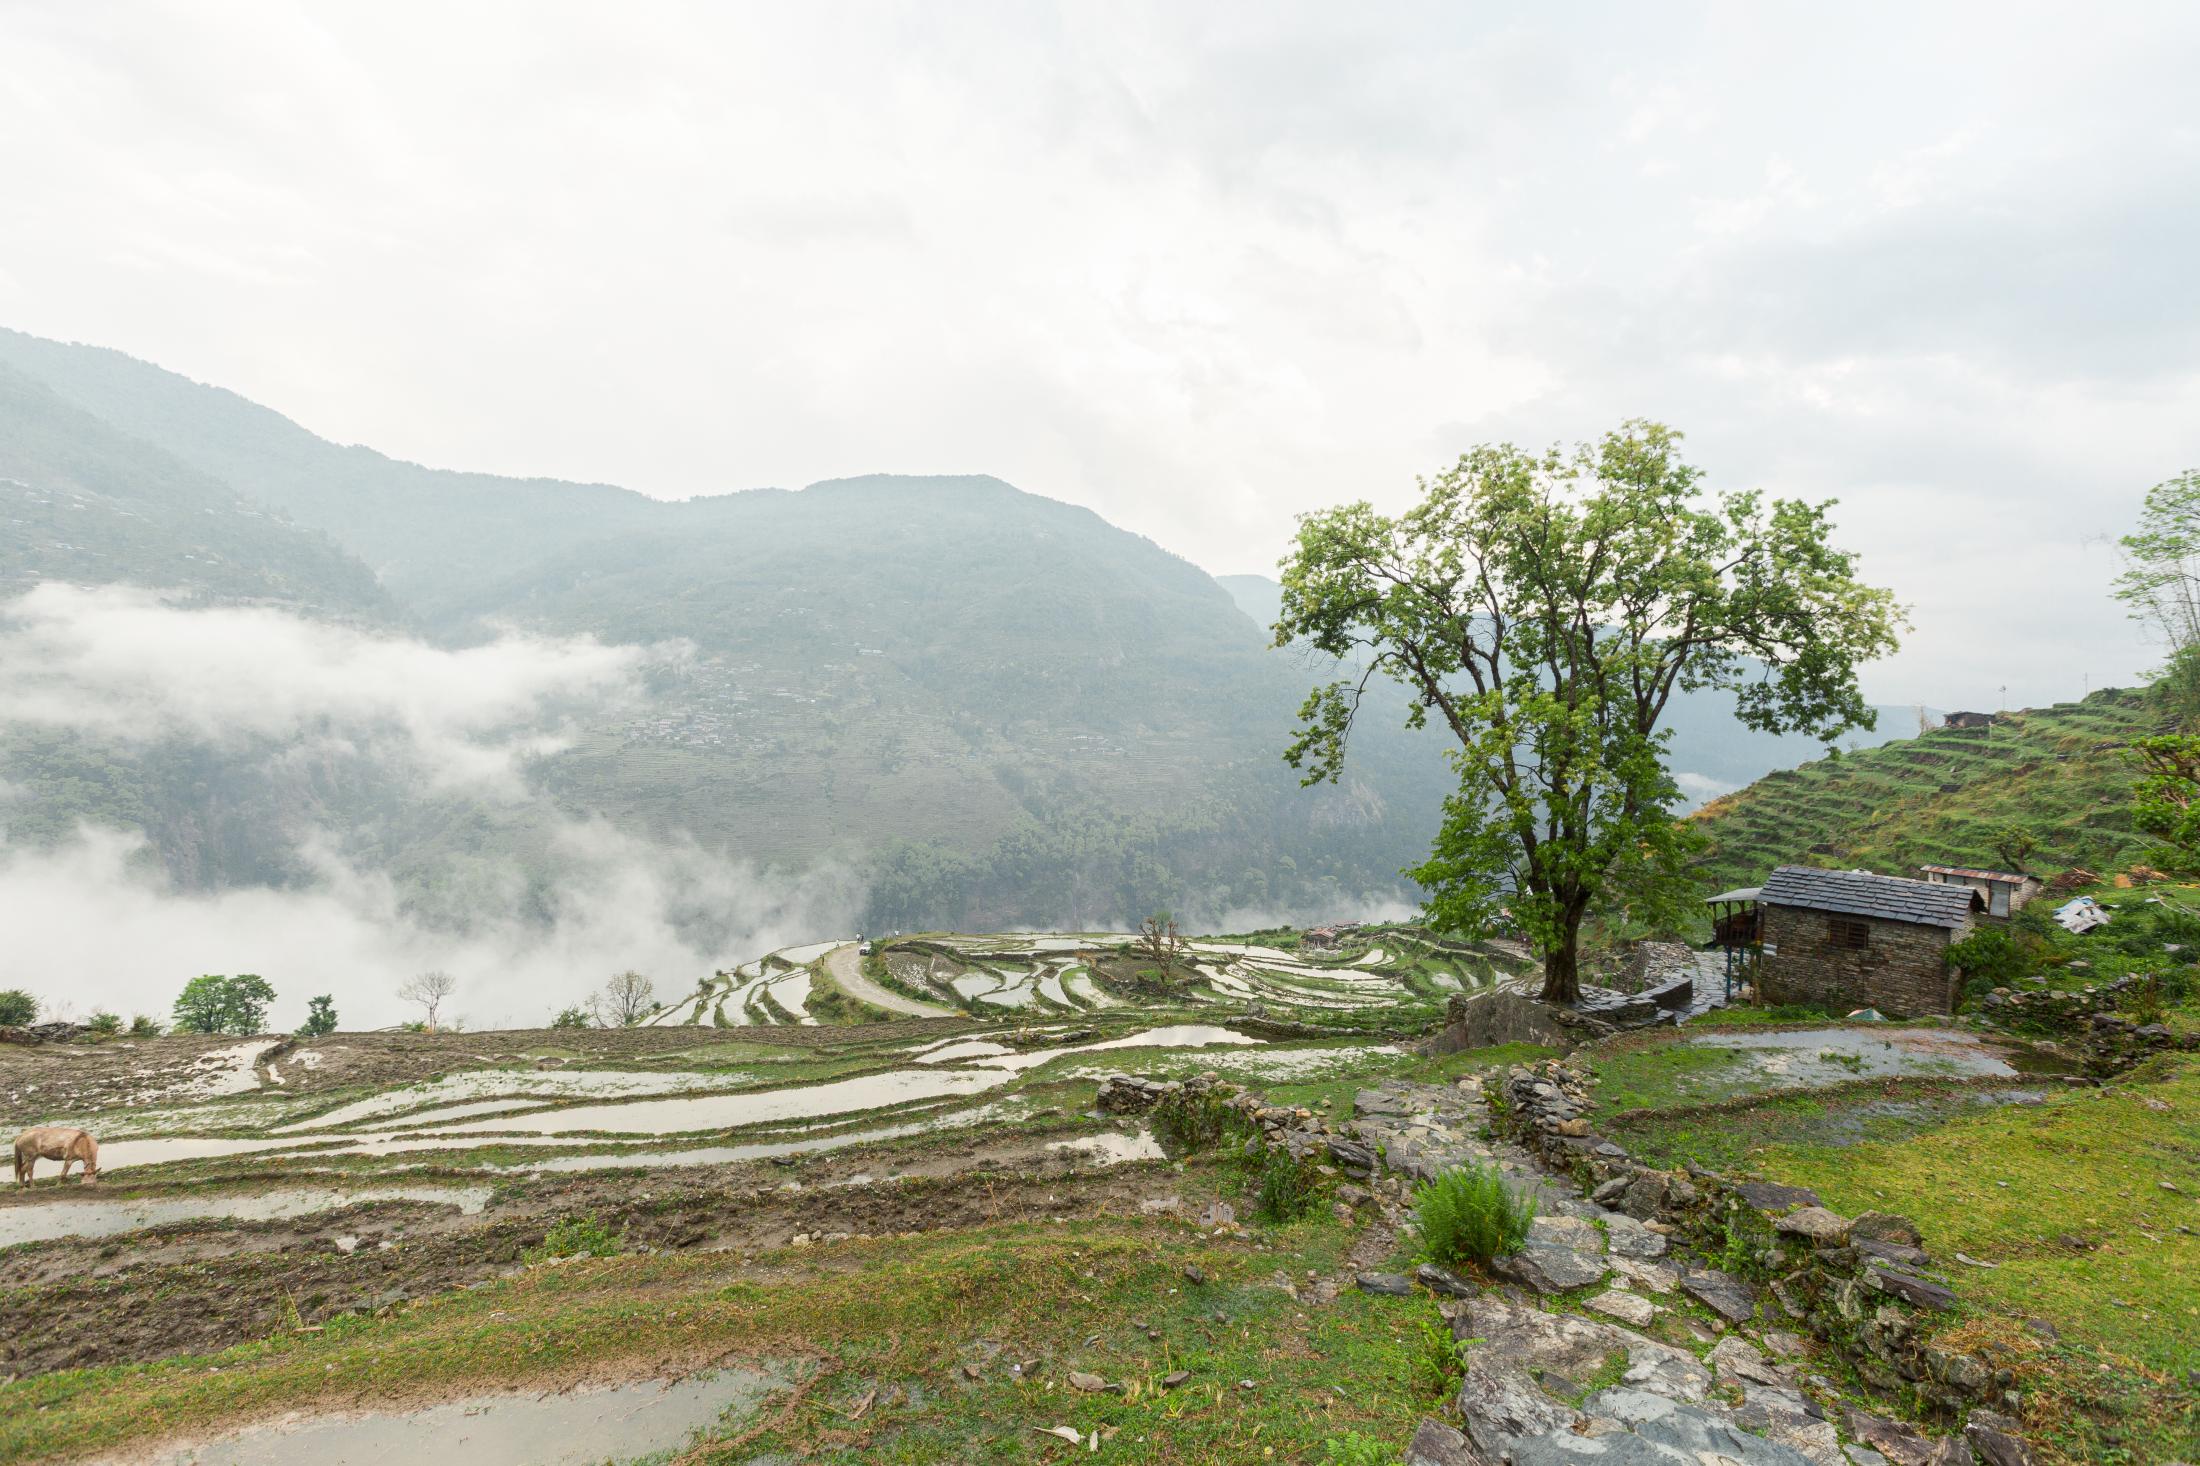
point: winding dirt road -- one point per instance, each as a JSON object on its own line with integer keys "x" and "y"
{"x": 844, "y": 967}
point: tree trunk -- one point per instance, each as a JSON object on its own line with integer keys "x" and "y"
{"x": 1562, "y": 964}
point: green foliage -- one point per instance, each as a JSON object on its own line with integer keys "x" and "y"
{"x": 575, "y": 1017}
{"x": 1994, "y": 957}
{"x": 218, "y": 1004}
{"x": 1354, "y": 1449}
{"x": 1471, "y": 1215}
{"x": 575, "y": 1237}
{"x": 18, "y": 1009}
{"x": 1439, "y": 1362}
{"x": 104, "y": 1022}
{"x": 1191, "y": 1121}
{"x": 144, "y": 1025}
{"x": 320, "y": 1016}
{"x": 2160, "y": 584}
{"x": 1288, "y": 1188}
{"x": 1546, "y": 609}
{"x": 2166, "y": 803}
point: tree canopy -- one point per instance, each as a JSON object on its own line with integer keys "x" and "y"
{"x": 1544, "y": 609}
{"x": 213, "y": 1003}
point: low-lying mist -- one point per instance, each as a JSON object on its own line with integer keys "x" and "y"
{"x": 97, "y": 918}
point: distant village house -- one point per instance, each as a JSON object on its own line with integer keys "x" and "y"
{"x": 1847, "y": 939}
{"x": 2005, "y": 891}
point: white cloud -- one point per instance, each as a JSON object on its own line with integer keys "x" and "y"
{"x": 96, "y": 923}
{"x": 123, "y": 663}
{"x": 91, "y": 926}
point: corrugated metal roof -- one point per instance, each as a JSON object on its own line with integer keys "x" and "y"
{"x": 1860, "y": 893}
{"x": 1740, "y": 893}
{"x": 2005, "y": 876}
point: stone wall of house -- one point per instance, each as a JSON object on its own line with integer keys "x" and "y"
{"x": 1903, "y": 972}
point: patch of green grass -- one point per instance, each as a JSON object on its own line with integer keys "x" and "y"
{"x": 575, "y": 1237}
{"x": 2007, "y": 1186}
{"x": 1663, "y": 1070}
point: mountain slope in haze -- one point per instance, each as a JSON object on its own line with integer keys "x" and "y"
{"x": 1946, "y": 797}
{"x": 429, "y": 534}
{"x": 1001, "y": 709}
{"x": 84, "y": 503}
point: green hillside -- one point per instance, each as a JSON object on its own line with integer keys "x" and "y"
{"x": 1943, "y": 797}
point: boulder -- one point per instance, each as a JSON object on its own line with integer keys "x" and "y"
{"x": 1821, "y": 1228}
{"x": 1883, "y": 1226}
{"x": 1724, "y": 1294}
{"x": 1437, "y": 1444}
{"x": 1911, "y": 1288}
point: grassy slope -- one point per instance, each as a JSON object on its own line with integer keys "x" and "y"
{"x": 1942, "y": 797}
{"x": 860, "y": 1318}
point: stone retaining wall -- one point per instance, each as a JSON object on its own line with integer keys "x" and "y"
{"x": 1859, "y": 1283}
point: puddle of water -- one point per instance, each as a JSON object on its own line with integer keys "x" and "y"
{"x": 719, "y": 1155}
{"x": 474, "y": 1084}
{"x": 836, "y": 1097}
{"x": 1114, "y": 1148}
{"x": 43, "y": 1223}
{"x": 731, "y": 1111}
{"x": 1824, "y": 1056}
{"x": 1080, "y": 985}
{"x": 504, "y": 1430}
{"x": 116, "y": 1155}
{"x": 958, "y": 1050}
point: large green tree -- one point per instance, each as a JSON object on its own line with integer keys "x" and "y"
{"x": 214, "y": 1003}
{"x": 1544, "y": 608}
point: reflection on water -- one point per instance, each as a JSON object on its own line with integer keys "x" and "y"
{"x": 77, "y": 1218}
{"x": 506, "y": 1430}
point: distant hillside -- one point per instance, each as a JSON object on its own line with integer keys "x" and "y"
{"x": 429, "y": 534}
{"x": 1944, "y": 796}
{"x": 85, "y": 503}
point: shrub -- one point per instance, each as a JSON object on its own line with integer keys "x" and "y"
{"x": 1471, "y": 1215}
{"x": 144, "y": 1025}
{"x": 104, "y": 1022}
{"x": 574, "y": 1237}
{"x": 1993, "y": 957}
{"x": 1194, "y": 1120}
{"x": 1289, "y": 1188}
{"x": 18, "y": 1009}
{"x": 571, "y": 1018}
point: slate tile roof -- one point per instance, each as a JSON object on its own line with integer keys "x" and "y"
{"x": 1859, "y": 893}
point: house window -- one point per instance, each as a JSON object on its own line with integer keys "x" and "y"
{"x": 1853, "y": 935}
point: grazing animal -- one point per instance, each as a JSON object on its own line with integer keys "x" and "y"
{"x": 55, "y": 1143}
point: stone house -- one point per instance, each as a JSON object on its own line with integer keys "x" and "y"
{"x": 1847, "y": 939}
{"x": 2005, "y": 891}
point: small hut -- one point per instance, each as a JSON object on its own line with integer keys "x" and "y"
{"x": 1844, "y": 939}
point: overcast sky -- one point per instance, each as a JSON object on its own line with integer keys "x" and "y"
{"x": 1199, "y": 267}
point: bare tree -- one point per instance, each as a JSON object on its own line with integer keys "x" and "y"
{"x": 429, "y": 989}
{"x": 623, "y": 1000}
{"x": 1158, "y": 939}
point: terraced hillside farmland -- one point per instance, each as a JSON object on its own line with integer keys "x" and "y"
{"x": 1056, "y": 974}
{"x": 1946, "y": 796}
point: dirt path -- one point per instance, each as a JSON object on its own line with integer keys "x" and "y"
{"x": 844, "y": 967}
